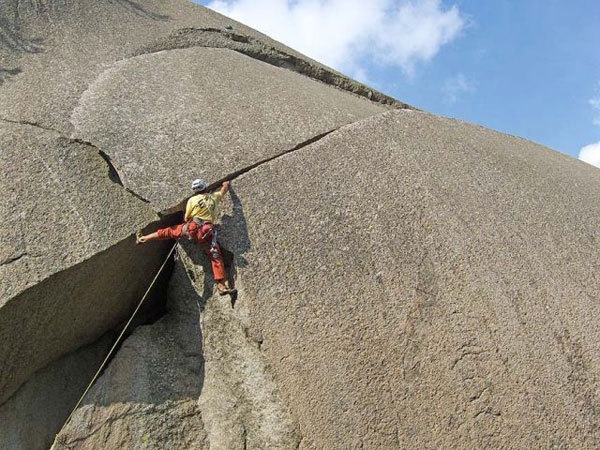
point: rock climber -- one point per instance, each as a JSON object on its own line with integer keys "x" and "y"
{"x": 199, "y": 220}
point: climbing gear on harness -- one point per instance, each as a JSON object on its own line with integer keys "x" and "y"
{"x": 185, "y": 232}
{"x": 205, "y": 229}
{"x": 214, "y": 250}
{"x": 202, "y": 225}
{"x": 199, "y": 185}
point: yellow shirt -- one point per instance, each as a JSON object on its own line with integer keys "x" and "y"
{"x": 203, "y": 206}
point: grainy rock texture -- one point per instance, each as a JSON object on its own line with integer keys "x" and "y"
{"x": 68, "y": 267}
{"x": 216, "y": 103}
{"x": 32, "y": 415}
{"x": 405, "y": 281}
{"x": 438, "y": 288}
{"x": 186, "y": 382}
{"x": 148, "y": 397}
{"x": 423, "y": 305}
{"x": 58, "y": 48}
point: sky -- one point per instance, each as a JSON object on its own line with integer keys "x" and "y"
{"x": 529, "y": 68}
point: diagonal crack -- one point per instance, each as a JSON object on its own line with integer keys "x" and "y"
{"x": 12, "y": 259}
{"x": 113, "y": 172}
{"x": 114, "y": 175}
{"x": 30, "y": 123}
{"x": 233, "y": 175}
{"x": 242, "y": 171}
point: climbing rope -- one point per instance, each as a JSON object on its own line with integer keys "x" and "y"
{"x": 113, "y": 348}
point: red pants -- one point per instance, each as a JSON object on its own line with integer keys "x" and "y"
{"x": 204, "y": 237}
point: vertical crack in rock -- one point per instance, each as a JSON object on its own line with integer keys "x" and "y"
{"x": 581, "y": 380}
{"x": 418, "y": 316}
{"x": 240, "y": 401}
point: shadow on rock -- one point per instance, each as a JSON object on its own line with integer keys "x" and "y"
{"x": 12, "y": 40}
{"x": 7, "y": 74}
{"x": 151, "y": 387}
{"x": 161, "y": 362}
{"x": 158, "y": 374}
{"x": 234, "y": 232}
{"x": 138, "y": 9}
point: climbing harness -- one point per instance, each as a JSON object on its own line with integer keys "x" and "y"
{"x": 115, "y": 345}
{"x": 205, "y": 229}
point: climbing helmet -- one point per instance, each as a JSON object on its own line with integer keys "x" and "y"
{"x": 199, "y": 185}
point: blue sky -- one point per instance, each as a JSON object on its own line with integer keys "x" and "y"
{"x": 530, "y": 68}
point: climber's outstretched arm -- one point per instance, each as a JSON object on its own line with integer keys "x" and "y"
{"x": 146, "y": 238}
{"x": 225, "y": 187}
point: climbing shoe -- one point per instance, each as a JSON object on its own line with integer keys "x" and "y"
{"x": 227, "y": 291}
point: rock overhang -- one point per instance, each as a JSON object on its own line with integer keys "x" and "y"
{"x": 63, "y": 219}
{"x": 474, "y": 288}
{"x": 60, "y": 206}
{"x": 47, "y": 49}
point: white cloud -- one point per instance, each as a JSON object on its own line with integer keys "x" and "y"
{"x": 360, "y": 74}
{"x": 349, "y": 34}
{"x": 591, "y": 154}
{"x": 456, "y": 87}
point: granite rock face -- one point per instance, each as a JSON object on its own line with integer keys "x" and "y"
{"x": 443, "y": 294}
{"x": 58, "y": 48}
{"x": 191, "y": 380}
{"x": 213, "y": 112}
{"x": 405, "y": 281}
{"x": 68, "y": 269}
{"x": 148, "y": 396}
{"x": 32, "y": 415}
{"x": 423, "y": 305}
